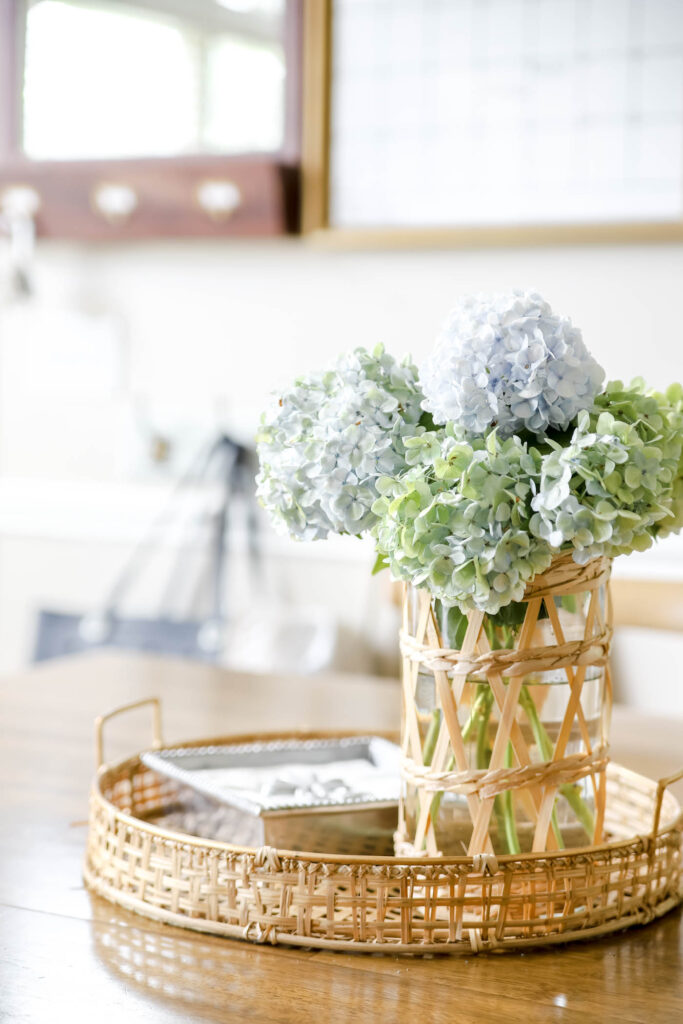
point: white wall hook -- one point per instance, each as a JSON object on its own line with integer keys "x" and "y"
{"x": 19, "y": 201}
{"x": 114, "y": 201}
{"x": 218, "y": 198}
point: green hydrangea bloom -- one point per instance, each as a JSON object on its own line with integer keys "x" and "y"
{"x": 657, "y": 420}
{"x": 617, "y": 484}
{"x": 473, "y": 519}
{"x": 457, "y": 522}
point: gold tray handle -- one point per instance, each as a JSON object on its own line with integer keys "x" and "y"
{"x": 662, "y": 786}
{"x": 157, "y": 741}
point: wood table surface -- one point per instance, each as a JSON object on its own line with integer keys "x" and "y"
{"x": 68, "y": 956}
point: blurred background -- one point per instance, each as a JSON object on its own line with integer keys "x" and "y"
{"x": 200, "y": 199}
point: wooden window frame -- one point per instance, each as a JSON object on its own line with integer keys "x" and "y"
{"x": 315, "y": 218}
{"x": 165, "y": 187}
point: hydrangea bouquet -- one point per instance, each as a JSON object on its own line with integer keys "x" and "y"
{"x": 502, "y": 453}
{"x": 472, "y": 474}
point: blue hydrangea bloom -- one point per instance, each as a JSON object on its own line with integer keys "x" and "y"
{"x": 508, "y": 361}
{"x": 329, "y": 437}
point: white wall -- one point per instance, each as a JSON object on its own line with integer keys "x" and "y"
{"x": 209, "y": 329}
{"x": 235, "y": 320}
{"x": 204, "y": 316}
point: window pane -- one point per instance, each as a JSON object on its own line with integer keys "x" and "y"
{"x": 104, "y": 83}
{"x": 106, "y": 79}
{"x": 245, "y": 96}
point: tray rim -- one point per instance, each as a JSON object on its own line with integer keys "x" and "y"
{"x": 274, "y": 896}
{"x": 184, "y": 839}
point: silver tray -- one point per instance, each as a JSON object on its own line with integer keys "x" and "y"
{"x": 337, "y": 795}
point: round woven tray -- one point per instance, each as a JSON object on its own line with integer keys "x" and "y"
{"x": 384, "y": 904}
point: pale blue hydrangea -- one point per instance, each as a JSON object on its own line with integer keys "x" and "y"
{"x": 508, "y": 361}
{"x": 326, "y": 440}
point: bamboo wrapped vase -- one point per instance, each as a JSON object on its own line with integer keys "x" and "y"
{"x": 505, "y": 736}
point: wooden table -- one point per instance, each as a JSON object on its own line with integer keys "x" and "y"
{"x": 66, "y": 955}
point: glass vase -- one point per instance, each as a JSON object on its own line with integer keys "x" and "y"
{"x": 506, "y": 719}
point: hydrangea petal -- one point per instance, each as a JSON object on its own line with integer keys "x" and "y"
{"x": 507, "y": 360}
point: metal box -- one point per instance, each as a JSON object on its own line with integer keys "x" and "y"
{"x": 331, "y": 796}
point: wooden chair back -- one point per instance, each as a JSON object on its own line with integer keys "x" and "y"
{"x": 653, "y": 604}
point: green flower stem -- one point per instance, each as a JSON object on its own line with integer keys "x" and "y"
{"x": 431, "y": 737}
{"x": 569, "y": 791}
{"x": 544, "y": 745}
{"x": 479, "y": 702}
{"x": 505, "y": 801}
{"x": 479, "y": 715}
{"x": 482, "y": 750}
{"x": 429, "y": 745}
{"x": 502, "y": 804}
{"x": 475, "y": 713}
{"x": 511, "y": 836}
{"x": 483, "y": 756}
{"x": 541, "y": 737}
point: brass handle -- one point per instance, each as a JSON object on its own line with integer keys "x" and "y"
{"x": 157, "y": 741}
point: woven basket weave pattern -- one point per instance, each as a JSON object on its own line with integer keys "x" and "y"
{"x": 459, "y": 904}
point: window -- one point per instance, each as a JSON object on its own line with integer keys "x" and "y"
{"x": 152, "y": 118}
{"x": 107, "y": 80}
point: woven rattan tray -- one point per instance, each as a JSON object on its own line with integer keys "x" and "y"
{"x": 389, "y": 904}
